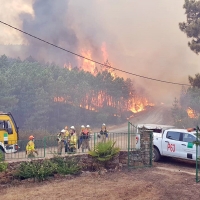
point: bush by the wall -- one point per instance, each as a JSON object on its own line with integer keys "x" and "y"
{"x": 3, "y": 165}
{"x": 67, "y": 165}
{"x": 43, "y": 169}
{"x": 104, "y": 151}
{"x": 37, "y": 170}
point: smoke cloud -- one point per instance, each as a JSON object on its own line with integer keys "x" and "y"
{"x": 141, "y": 37}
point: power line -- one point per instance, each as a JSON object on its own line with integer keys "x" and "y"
{"x": 133, "y": 74}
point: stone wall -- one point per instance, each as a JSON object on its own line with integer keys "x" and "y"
{"x": 142, "y": 157}
{"x": 136, "y": 157}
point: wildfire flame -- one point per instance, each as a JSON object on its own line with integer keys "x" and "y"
{"x": 139, "y": 104}
{"x": 101, "y": 99}
{"x": 86, "y": 64}
{"x": 191, "y": 113}
{"x": 68, "y": 66}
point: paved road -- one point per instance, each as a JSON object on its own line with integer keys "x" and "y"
{"x": 154, "y": 115}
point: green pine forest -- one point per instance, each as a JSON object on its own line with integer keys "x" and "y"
{"x": 46, "y": 96}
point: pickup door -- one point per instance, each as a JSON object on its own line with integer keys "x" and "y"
{"x": 179, "y": 145}
{"x": 171, "y": 144}
{"x": 188, "y": 149}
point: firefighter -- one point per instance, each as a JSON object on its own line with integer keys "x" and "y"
{"x": 72, "y": 140}
{"x": 30, "y": 148}
{"x": 80, "y": 140}
{"x": 86, "y": 138}
{"x": 66, "y": 139}
{"x": 103, "y": 134}
{"x": 61, "y": 140}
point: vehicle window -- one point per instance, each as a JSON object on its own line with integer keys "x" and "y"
{"x": 188, "y": 137}
{"x": 6, "y": 125}
{"x": 173, "y": 135}
{"x": 9, "y": 124}
{"x": 157, "y": 130}
{"x": 3, "y": 125}
{"x": 153, "y": 130}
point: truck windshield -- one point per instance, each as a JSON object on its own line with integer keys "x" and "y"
{"x": 153, "y": 130}
{"x": 4, "y": 125}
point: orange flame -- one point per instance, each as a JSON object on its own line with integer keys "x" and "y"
{"x": 191, "y": 113}
{"x": 139, "y": 104}
{"x": 86, "y": 64}
{"x": 69, "y": 66}
{"x": 95, "y": 101}
{"x": 59, "y": 99}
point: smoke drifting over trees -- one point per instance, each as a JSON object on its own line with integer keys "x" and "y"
{"x": 49, "y": 97}
{"x": 140, "y": 36}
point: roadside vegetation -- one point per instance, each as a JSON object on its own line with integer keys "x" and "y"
{"x": 3, "y": 165}
{"x": 104, "y": 151}
{"x": 42, "y": 170}
{"x": 186, "y": 109}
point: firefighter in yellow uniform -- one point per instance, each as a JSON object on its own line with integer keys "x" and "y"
{"x": 30, "y": 148}
{"x": 72, "y": 140}
{"x": 66, "y": 139}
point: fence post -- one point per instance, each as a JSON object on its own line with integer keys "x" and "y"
{"x": 44, "y": 140}
{"x": 128, "y": 142}
{"x": 151, "y": 148}
{"x": 94, "y": 139}
{"x": 197, "y": 146}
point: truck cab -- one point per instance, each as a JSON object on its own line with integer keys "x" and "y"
{"x": 177, "y": 143}
{"x": 8, "y": 133}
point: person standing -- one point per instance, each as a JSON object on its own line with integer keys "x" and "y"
{"x": 30, "y": 147}
{"x": 85, "y": 138}
{"x": 103, "y": 133}
{"x": 61, "y": 140}
{"x": 72, "y": 139}
{"x": 66, "y": 139}
{"x": 87, "y": 142}
{"x": 80, "y": 140}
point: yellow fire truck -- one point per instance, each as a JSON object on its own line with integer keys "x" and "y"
{"x": 8, "y": 134}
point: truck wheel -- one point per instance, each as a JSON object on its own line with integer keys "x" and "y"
{"x": 2, "y": 155}
{"x": 156, "y": 155}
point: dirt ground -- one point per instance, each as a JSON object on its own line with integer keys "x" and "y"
{"x": 169, "y": 179}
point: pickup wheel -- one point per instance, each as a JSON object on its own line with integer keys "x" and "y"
{"x": 156, "y": 155}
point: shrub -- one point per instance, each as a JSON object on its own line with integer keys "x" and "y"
{"x": 67, "y": 165}
{"x": 3, "y": 165}
{"x": 104, "y": 151}
{"x": 36, "y": 170}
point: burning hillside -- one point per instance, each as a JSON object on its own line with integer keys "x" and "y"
{"x": 113, "y": 91}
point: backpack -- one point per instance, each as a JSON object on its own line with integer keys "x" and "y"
{"x": 85, "y": 132}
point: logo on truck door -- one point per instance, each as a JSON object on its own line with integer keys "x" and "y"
{"x": 171, "y": 147}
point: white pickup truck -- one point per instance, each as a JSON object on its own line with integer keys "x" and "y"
{"x": 171, "y": 142}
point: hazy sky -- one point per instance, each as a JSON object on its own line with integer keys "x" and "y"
{"x": 141, "y": 36}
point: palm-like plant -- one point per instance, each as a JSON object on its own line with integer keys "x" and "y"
{"x": 104, "y": 151}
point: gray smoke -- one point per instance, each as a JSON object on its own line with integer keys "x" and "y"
{"x": 50, "y": 23}
{"x": 141, "y": 37}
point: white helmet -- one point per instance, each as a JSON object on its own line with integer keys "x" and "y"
{"x": 72, "y": 127}
{"x": 63, "y": 131}
{"x": 88, "y": 126}
{"x": 82, "y": 126}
